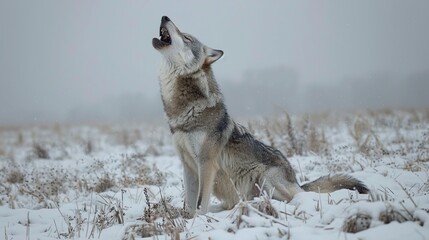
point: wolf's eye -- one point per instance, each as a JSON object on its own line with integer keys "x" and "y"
{"x": 187, "y": 38}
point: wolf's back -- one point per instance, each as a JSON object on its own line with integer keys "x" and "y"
{"x": 332, "y": 183}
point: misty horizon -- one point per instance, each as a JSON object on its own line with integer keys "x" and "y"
{"x": 250, "y": 97}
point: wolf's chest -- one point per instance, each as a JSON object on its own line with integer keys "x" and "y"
{"x": 189, "y": 145}
{"x": 186, "y": 100}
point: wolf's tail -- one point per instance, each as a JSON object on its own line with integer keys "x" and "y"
{"x": 332, "y": 183}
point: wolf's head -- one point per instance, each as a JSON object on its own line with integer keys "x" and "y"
{"x": 182, "y": 52}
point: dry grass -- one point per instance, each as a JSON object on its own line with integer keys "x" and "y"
{"x": 104, "y": 183}
{"x": 357, "y": 223}
{"x": 47, "y": 187}
{"x": 159, "y": 218}
{"x": 135, "y": 171}
{"x": 244, "y": 213}
{"x": 40, "y": 152}
{"x": 15, "y": 176}
{"x": 299, "y": 136}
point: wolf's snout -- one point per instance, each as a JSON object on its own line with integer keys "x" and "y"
{"x": 165, "y": 19}
{"x": 164, "y": 39}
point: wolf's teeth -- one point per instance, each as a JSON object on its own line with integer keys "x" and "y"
{"x": 164, "y": 35}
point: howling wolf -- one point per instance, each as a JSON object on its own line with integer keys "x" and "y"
{"x": 218, "y": 154}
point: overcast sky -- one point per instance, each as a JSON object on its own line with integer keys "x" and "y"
{"x": 77, "y": 60}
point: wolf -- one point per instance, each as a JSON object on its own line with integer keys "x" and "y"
{"x": 219, "y": 156}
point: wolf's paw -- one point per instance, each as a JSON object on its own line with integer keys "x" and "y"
{"x": 201, "y": 212}
{"x": 217, "y": 208}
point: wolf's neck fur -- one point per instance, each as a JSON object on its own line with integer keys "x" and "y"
{"x": 187, "y": 97}
{"x": 171, "y": 69}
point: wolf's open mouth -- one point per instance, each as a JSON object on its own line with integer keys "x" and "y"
{"x": 164, "y": 35}
{"x": 164, "y": 39}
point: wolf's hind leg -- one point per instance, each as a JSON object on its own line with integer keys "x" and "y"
{"x": 283, "y": 188}
{"x": 225, "y": 191}
{"x": 285, "y": 191}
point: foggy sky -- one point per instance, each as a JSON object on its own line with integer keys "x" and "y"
{"x": 66, "y": 61}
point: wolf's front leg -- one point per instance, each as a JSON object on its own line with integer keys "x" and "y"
{"x": 191, "y": 188}
{"x": 207, "y": 173}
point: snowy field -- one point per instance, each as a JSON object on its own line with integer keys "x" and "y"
{"x": 125, "y": 181}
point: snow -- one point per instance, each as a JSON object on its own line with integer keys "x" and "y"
{"x": 125, "y": 182}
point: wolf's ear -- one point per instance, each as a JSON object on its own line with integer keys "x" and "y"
{"x": 212, "y": 55}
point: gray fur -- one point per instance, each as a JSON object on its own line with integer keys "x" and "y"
{"x": 219, "y": 156}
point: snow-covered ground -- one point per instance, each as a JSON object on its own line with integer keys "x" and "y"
{"x": 125, "y": 181}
